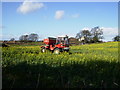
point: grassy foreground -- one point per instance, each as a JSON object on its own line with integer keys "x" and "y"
{"x": 87, "y": 66}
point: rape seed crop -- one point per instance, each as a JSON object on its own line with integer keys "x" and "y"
{"x": 86, "y": 66}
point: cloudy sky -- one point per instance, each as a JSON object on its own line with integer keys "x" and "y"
{"x": 58, "y": 18}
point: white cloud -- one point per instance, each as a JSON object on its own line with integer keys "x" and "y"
{"x": 7, "y": 37}
{"x": 76, "y": 16}
{"x": 86, "y": 28}
{"x": 2, "y": 27}
{"x": 109, "y": 33}
{"x": 59, "y": 14}
{"x": 28, "y": 7}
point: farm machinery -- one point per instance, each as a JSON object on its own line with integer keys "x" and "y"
{"x": 56, "y": 45}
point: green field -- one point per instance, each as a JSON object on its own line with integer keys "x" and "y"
{"x": 86, "y": 66}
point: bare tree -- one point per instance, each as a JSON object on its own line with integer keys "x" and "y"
{"x": 30, "y": 37}
{"x": 23, "y": 38}
{"x": 116, "y": 38}
{"x": 84, "y": 33}
{"x": 33, "y": 37}
{"x": 90, "y": 36}
{"x": 97, "y": 34}
{"x": 12, "y": 39}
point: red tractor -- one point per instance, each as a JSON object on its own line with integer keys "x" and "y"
{"x": 56, "y": 45}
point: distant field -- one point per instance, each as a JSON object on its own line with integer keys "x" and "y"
{"x": 86, "y": 66}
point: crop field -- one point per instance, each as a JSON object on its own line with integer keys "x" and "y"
{"x": 85, "y": 66}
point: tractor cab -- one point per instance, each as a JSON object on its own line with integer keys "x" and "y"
{"x": 56, "y": 45}
{"x": 62, "y": 40}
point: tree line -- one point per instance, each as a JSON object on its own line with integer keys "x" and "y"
{"x": 90, "y": 36}
{"x": 85, "y": 36}
{"x": 31, "y": 37}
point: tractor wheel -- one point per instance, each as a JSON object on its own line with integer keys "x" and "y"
{"x": 66, "y": 50}
{"x": 57, "y": 51}
{"x": 43, "y": 50}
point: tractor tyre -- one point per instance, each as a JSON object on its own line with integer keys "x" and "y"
{"x": 66, "y": 50}
{"x": 43, "y": 50}
{"x": 57, "y": 51}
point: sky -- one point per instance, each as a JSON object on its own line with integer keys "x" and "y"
{"x": 58, "y": 18}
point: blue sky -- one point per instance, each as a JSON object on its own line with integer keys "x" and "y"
{"x": 60, "y": 18}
